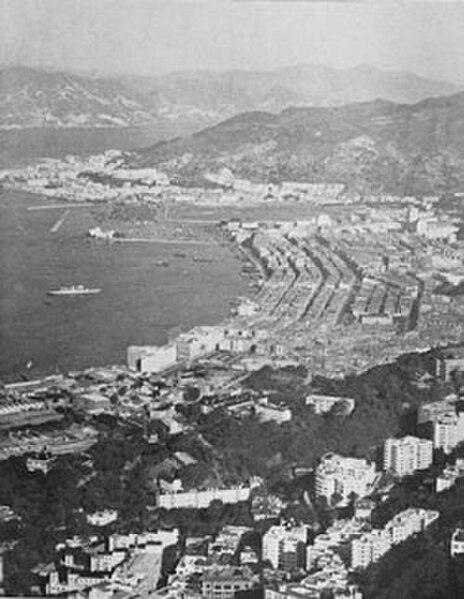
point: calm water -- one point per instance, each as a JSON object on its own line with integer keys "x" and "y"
{"x": 18, "y": 147}
{"x": 139, "y": 302}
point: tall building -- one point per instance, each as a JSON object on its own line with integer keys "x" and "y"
{"x": 285, "y": 547}
{"x": 407, "y": 455}
{"x": 339, "y": 477}
{"x": 445, "y": 433}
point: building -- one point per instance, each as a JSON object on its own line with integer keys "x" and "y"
{"x": 457, "y": 542}
{"x": 447, "y": 479}
{"x": 363, "y": 509}
{"x": 324, "y": 403}
{"x": 339, "y": 478}
{"x": 407, "y": 455}
{"x": 450, "y": 361}
{"x": 285, "y": 547}
{"x": 102, "y": 517}
{"x": 201, "y": 499}
{"x": 270, "y": 412}
{"x": 226, "y": 543}
{"x": 226, "y": 582}
{"x": 199, "y": 342}
{"x": 445, "y": 433}
{"x": 409, "y": 522}
{"x": 369, "y": 548}
{"x": 151, "y": 358}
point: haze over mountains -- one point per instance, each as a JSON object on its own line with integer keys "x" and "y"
{"x": 376, "y": 146}
{"x": 190, "y": 101}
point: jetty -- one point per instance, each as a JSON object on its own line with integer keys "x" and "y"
{"x": 59, "y": 222}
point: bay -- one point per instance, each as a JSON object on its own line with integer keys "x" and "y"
{"x": 139, "y": 303}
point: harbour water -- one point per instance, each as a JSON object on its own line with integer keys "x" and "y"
{"x": 139, "y": 302}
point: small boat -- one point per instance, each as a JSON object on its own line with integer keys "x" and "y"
{"x": 161, "y": 263}
{"x": 74, "y": 290}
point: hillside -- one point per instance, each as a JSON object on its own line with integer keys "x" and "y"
{"x": 192, "y": 100}
{"x": 374, "y": 146}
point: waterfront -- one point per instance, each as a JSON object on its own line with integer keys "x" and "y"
{"x": 139, "y": 302}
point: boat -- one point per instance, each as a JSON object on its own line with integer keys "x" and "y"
{"x": 161, "y": 263}
{"x": 74, "y": 290}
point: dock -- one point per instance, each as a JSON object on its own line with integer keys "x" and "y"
{"x": 59, "y": 222}
{"x": 163, "y": 241}
{"x": 63, "y": 205}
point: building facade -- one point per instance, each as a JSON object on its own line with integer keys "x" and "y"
{"x": 340, "y": 477}
{"x": 407, "y": 455}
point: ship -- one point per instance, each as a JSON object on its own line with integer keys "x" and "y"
{"x": 74, "y": 290}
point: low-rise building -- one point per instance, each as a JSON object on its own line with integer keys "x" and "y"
{"x": 198, "y": 499}
{"x": 151, "y": 358}
{"x": 324, "y": 403}
{"x": 226, "y": 582}
{"x": 447, "y": 479}
{"x": 102, "y": 517}
{"x": 457, "y": 542}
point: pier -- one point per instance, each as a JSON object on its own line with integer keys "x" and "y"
{"x": 163, "y": 241}
{"x": 59, "y": 222}
{"x": 64, "y": 205}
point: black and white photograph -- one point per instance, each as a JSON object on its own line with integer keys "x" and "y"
{"x": 232, "y": 299}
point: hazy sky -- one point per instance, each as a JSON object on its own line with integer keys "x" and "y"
{"x": 158, "y": 36}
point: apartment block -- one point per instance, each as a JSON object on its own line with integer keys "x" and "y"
{"x": 407, "y": 455}
{"x": 285, "y": 547}
{"x": 338, "y": 476}
{"x": 369, "y": 548}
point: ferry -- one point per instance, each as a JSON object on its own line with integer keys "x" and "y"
{"x": 74, "y": 290}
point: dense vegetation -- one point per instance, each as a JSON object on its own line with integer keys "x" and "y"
{"x": 421, "y": 568}
{"x": 386, "y": 401}
{"x": 118, "y": 472}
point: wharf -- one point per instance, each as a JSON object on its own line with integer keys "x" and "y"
{"x": 63, "y": 205}
{"x": 163, "y": 241}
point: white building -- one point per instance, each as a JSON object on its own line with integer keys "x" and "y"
{"x": 371, "y": 546}
{"x": 285, "y": 547}
{"x": 199, "y": 342}
{"x": 407, "y": 455}
{"x": 151, "y": 358}
{"x": 337, "y": 475}
{"x": 324, "y": 403}
{"x": 457, "y": 542}
{"x": 445, "y": 433}
{"x": 202, "y": 499}
{"x": 447, "y": 479}
{"x": 102, "y": 517}
{"x": 269, "y": 412}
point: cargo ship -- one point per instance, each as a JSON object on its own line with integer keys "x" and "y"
{"x": 74, "y": 290}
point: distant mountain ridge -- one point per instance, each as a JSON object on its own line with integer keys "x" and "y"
{"x": 189, "y": 101}
{"x": 377, "y": 146}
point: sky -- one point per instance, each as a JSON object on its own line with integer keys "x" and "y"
{"x": 154, "y": 37}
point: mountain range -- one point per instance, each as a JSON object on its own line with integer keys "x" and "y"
{"x": 377, "y": 146}
{"x": 189, "y": 101}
